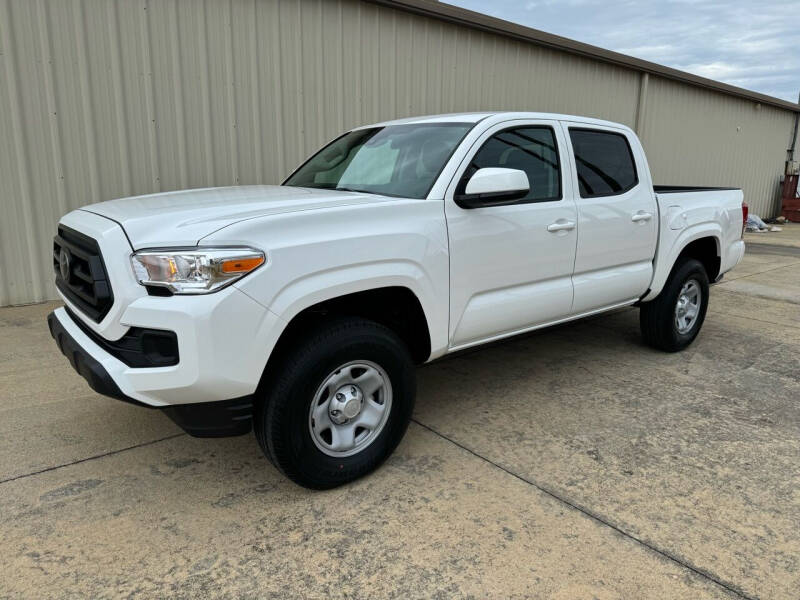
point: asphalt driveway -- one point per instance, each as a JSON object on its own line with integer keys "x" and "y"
{"x": 572, "y": 463}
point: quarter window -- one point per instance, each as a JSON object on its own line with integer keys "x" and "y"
{"x": 529, "y": 149}
{"x": 604, "y": 162}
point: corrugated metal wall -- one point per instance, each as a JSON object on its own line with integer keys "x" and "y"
{"x": 102, "y": 99}
{"x": 694, "y": 136}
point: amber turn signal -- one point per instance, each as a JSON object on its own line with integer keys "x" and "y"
{"x": 241, "y": 265}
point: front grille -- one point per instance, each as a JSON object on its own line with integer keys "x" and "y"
{"x": 80, "y": 273}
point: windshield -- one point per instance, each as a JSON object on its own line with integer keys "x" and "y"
{"x": 398, "y": 160}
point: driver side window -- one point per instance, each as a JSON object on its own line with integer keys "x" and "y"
{"x": 532, "y": 149}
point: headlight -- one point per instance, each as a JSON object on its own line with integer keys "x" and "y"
{"x": 195, "y": 270}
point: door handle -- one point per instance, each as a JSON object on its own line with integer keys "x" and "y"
{"x": 641, "y": 216}
{"x": 561, "y": 225}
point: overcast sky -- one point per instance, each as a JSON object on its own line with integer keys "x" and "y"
{"x": 751, "y": 44}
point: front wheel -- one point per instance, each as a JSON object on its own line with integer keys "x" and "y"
{"x": 673, "y": 319}
{"x": 339, "y": 405}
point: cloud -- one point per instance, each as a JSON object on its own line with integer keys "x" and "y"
{"x": 740, "y": 42}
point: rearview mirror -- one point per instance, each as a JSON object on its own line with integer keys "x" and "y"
{"x": 494, "y": 186}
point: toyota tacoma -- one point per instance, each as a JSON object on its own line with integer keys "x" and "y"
{"x": 300, "y": 310}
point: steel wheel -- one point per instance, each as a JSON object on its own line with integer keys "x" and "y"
{"x": 687, "y": 307}
{"x": 350, "y": 408}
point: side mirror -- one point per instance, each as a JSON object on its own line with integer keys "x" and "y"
{"x": 494, "y": 187}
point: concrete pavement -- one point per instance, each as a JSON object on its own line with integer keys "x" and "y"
{"x": 788, "y": 236}
{"x": 573, "y": 463}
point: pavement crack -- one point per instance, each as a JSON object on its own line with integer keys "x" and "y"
{"x": 90, "y": 458}
{"x": 731, "y": 280}
{"x": 771, "y": 248}
{"x": 751, "y": 318}
{"x": 704, "y": 574}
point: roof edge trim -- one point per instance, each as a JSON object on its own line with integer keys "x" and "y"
{"x": 468, "y": 18}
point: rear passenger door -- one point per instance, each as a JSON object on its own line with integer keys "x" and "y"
{"x": 617, "y": 216}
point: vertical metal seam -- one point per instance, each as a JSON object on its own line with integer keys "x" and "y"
{"x": 23, "y": 171}
{"x": 360, "y": 66}
{"x": 277, "y": 65}
{"x": 375, "y": 69}
{"x": 230, "y": 85}
{"x": 517, "y": 61}
{"x": 79, "y": 23}
{"x": 425, "y": 74}
{"x": 52, "y": 106}
{"x": 641, "y": 103}
{"x": 120, "y": 99}
{"x": 318, "y": 60}
{"x": 208, "y": 134}
{"x": 468, "y": 62}
{"x": 177, "y": 84}
{"x": 394, "y": 62}
{"x": 340, "y": 66}
{"x": 255, "y": 97}
{"x": 150, "y": 97}
{"x": 441, "y": 65}
{"x": 454, "y": 71}
{"x": 299, "y": 106}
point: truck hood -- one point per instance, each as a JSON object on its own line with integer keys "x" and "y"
{"x": 183, "y": 218}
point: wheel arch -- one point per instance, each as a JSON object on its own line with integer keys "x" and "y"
{"x": 702, "y": 242}
{"x": 707, "y": 251}
{"x": 394, "y": 306}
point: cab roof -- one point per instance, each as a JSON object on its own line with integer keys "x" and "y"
{"x": 474, "y": 117}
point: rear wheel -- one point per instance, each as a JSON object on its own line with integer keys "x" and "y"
{"x": 673, "y": 319}
{"x": 339, "y": 405}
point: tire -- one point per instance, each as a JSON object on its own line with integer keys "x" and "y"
{"x": 345, "y": 355}
{"x": 660, "y": 319}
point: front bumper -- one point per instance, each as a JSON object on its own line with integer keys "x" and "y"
{"x": 204, "y": 419}
{"x": 199, "y": 358}
{"x": 85, "y": 364}
{"x": 224, "y": 340}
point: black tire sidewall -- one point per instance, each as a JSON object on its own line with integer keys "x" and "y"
{"x": 690, "y": 269}
{"x": 286, "y": 416}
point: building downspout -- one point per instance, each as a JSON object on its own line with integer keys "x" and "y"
{"x": 790, "y": 151}
{"x": 790, "y": 188}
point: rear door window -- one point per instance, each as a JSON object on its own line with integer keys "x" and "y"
{"x": 604, "y": 162}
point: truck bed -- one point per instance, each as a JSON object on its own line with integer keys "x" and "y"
{"x": 687, "y": 213}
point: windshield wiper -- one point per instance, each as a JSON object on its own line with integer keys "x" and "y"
{"x": 347, "y": 189}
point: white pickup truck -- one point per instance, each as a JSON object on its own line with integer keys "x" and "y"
{"x": 300, "y": 310}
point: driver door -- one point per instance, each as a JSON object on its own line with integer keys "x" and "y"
{"x": 511, "y": 266}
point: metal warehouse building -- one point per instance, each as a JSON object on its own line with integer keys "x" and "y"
{"x": 102, "y": 99}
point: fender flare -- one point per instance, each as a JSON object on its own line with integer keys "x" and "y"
{"x": 319, "y": 286}
{"x": 316, "y": 287}
{"x": 663, "y": 266}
